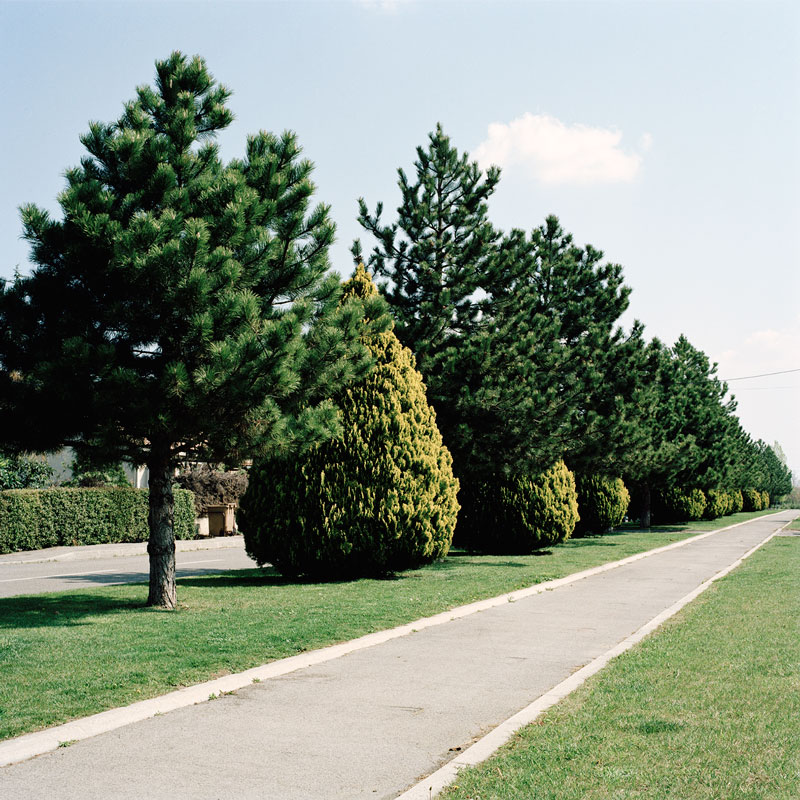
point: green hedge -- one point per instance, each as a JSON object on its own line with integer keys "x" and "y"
{"x": 31, "y": 519}
{"x": 738, "y": 501}
{"x": 518, "y": 515}
{"x": 602, "y": 503}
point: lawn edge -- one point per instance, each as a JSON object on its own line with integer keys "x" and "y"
{"x": 489, "y": 744}
{"x": 37, "y": 743}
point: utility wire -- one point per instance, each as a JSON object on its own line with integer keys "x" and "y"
{"x": 762, "y": 375}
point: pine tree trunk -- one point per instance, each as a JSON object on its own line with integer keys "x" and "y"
{"x": 644, "y": 516}
{"x": 161, "y": 545}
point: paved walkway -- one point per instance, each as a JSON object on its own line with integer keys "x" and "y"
{"x": 372, "y": 723}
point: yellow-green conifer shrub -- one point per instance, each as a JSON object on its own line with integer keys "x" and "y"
{"x": 519, "y": 515}
{"x": 381, "y": 498}
{"x": 753, "y": 501}
{"x": 717, "y": 504}
{"x": 764, "y": 499}
{"x": 602, "y": 503}
{"x": 738, "y": 501}
{"x": 679, "y": 505}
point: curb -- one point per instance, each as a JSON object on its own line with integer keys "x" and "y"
{"x": 40, "y": 742}
{"x": 488, "y": 745}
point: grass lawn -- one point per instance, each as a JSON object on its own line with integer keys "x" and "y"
{"x": 69, "y": 654}
{"x": 795, "y": 526}
{"x": 706, "y": 708}
{"x": 703, "y": 525}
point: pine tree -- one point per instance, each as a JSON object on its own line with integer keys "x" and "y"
{"x": 379, "y": 498}
{"x": 437, "y": 252}
{"x": 182, "y": 309}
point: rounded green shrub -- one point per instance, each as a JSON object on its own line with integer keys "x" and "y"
{"x": 717, "y": 504}
{"x": 738, "y": 501}
{"x": 764, "y": 499}
{"x": 519, "y": 515}
{"x": 680, "y": 505}
{"x": 602, "y": 503}
{"x": 380, "y": 498}
{"x": 753, "y": 501}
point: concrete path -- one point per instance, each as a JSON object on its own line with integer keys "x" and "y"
{"x": 374, "y": 722}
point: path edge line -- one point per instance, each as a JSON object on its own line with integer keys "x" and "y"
{"x": 489, "y": 744}
{"x": 38, "y": 743}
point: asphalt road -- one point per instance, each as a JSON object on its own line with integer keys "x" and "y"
{"x": 59, "y": 576}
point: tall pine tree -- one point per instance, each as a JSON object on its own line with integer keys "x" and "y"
{"x": 181, "y": 308}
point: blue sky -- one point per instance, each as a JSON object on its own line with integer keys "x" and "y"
{"x": 665, "y": 133}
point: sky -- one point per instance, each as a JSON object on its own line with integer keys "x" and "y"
{"x": 667, "y": 134}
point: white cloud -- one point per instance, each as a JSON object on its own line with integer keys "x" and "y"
{"x": 554, "y": 152}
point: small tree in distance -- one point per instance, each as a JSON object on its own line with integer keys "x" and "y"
{"x": 182, "y": 309}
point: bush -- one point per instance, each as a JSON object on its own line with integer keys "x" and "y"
{"x": 24, "y": 472}
{"x": 753, "y": 500}
{"x": 379, "y": 499}
{"x": 718, "y": 504}
{"x": 764, "y": 499}
{"x": 519, "y": 515}
{"x": 212, "y": 487}
{"x": 602, "y": 503}
{"x": 31, "y": 519}
{"x": 680, "y": 505}
{"x": 738, "y": 501}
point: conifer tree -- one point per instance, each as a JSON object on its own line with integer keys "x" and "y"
{"x": 181, "y": 308}
{"x": 380, "y": 497}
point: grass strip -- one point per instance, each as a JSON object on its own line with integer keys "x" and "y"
{"x": 707, "y": 707}
{"x": 70, "y": 654}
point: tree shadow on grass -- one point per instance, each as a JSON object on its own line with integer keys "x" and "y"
{"x": 62, "y": 609}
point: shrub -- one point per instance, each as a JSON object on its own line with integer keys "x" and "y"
{"x": 519, "y": 515}
{"x": 380, "y": 498}
{"x": 602, "y": 503}
{"x": 717, "y": 504}
{"x": 727, "y": 499}
{"x": 24, "y": 472}
{"x": 680, "y": 505}
{"x": 31, "y": 519}
{"x": 89, "y": 473}
{"x": 738, "y": 501}
{"x": 212, "y": 487}
{"x": 764, "y": 499}
{"x": 753, "y": 500}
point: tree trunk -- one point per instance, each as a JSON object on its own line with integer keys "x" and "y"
{"x": 161, "y": 545}
{"x": 644, "y": 516}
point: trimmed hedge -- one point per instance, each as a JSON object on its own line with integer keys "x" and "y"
{"x": 680, "y": 505}
{"x": 31, "y": 519}
{"x": 602, "y": 503}
{"x": 519, "y": 515}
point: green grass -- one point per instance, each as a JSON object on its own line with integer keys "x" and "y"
{"x": 707, "y": 708}
{"x": 795, "y": 525}
{"x": 703, "y": 525}
{"x": 69, "y": 654}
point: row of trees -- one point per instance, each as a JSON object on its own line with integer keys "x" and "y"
{"x": 183, "y": 308}
{"x": 517, "y": 336}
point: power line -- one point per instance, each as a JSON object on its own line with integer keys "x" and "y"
{"x": 762, "y": 375}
